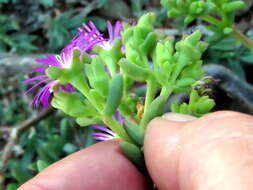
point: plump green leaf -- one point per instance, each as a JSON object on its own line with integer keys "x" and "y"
{"x": 115, "y": 94}
{"x": 135, "y": 132}
{"x": 133, "y": 153}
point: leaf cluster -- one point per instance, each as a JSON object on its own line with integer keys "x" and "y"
{"x": 104, "y": 82}
{"x": 219, "y": 14}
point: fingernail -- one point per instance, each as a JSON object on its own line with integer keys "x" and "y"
{"x": 178, "y": 117}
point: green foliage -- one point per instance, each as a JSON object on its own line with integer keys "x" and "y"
{"x": 102, "y": 3}
{"x": 47, "y": 3}
{"x": 223, "y": 36}
{"x": 168, "y": 68}
{"x": 105, "y": 82}
{"x": 44, "y": 145}
{"x": 165, "y": 66}
{"x": 46, "y": 23}
{"x": 21, "y": 42}
{"x": 99, "y": 80}
{"x": 135, "y": 132}
{"x": 72, "y": 104}
{"x": 4, "y": 1}
{"x": 228, "y": 53}
{"x": 220, "y": 14}
{"x": 115, "y": 95}
{"x": 12, "y": 186}
{"x": 192, "y": 9}
{"x": 198, "y": 105}
{"x": 60, "y": 28}
{"x": 133, "y": 153}
{"x": 41, "y": 165}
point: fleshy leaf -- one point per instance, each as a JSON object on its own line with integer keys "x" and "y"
{"x": 115, "y": 95}
{"x": 135, "y": 132}
{"x": 133, "y": 153}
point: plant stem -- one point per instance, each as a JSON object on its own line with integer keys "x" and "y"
{"x": 247, "y": 42}
{"x": 80, "y": 84}
{"x": 166, "y": 92}
{"x": 150, "y": 93}
{"x": 117, "y": 128}
{"x": 212, "y": 20}
{"x": 159, "y": 104}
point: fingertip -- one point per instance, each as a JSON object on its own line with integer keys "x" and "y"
{"x": 161, "y": 147}
{"x": 101, "y": 166}
{"x": 178, "y": 117}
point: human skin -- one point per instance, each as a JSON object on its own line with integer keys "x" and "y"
{"x": 181, "y": 153}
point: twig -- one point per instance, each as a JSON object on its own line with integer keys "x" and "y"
{"x": 247, "y": 42}
{"x": 4, "y": 129}
{"x": 14, "y": 133}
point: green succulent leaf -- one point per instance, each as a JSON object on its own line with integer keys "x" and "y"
{"x": 156, "y": 109}
{"x": 86, "y": 121}
{"x": 71, "y": 104}
{"x": 98, "y": 78}
{"x": 133, "y": 153}
{"x": 135, "y": 132}
{"x": 115, "y": 95}
{"x": 198, "y": 105}
{"x": 134, "y": 71}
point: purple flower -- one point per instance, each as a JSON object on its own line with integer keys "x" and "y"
{"x": 114, "y": 33}
{"x": 43, "y": 95}
{"x": 87, "y": 37}
{"x": 106, "y": 133}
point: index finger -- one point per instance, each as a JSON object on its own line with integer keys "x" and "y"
{"x": 101, "y": 166}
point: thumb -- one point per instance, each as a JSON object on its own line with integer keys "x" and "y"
{"x": 161, "y": 147}
{"x": 212, "y": 152}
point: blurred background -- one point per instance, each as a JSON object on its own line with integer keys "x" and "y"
{"x": 31, "y": 139}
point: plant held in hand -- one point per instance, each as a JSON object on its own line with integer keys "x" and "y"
{"x": 103, "y": 74}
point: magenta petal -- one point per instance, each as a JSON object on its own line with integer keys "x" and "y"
{"x": 37, "y": 84}
{"x": 70, "y": 87}
{"x": 67, "y": 88}
{"x": 93, "y": 26}
{"x": 45, "y": 98}
{"x": 102, "y": 128}
{"x": 39, "y": 69}
{"x": 49, "y": 60}
{"x": 85, "y": 40}
{"x": 117, "y": 29}
{"x": 102, "y": 134}
{"x": 99, "y": 138}
{"x": 34, "y": 78}
{"x": 87, "y": 28}
{"x": 43, "y": 95}
{"x": 118, "y": 117}
{"x": 110, "y": 30}
{"x": 66, "y": 56}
